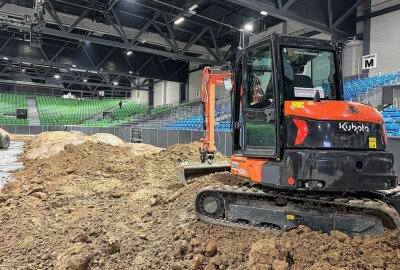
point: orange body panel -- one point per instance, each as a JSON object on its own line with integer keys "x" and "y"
{"x": 332, "y": 110}
{"x": 249, "y": 168}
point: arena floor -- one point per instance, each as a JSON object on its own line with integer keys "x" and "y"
{"x": 105, "y": 204}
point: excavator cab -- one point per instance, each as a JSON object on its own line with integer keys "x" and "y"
{"x": 279, "y": 69}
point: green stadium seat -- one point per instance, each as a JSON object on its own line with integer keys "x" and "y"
{"x": 9, "y": 103}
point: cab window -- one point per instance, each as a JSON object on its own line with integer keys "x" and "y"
{"x": 306, "y": 71}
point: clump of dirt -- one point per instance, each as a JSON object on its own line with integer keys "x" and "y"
{"x": 98, "y": 206}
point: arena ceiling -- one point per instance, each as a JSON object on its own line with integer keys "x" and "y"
{"x": 125, "y": 44}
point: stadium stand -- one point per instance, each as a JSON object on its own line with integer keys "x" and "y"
{"x": 60, "y": 111}
{"x": 187, "y": 116}
{"x": 353, "y": 88}
{"x": 391, "y": 117}
{"x": 128, "y": 109}
{"x": 119, "y": 116}
{"x": 196, "y": 122}
{"x": 9, "y": 103}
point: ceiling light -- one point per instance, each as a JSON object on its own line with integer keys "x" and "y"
{"x": 5, "y": 58}
{"x": 249, "y": 27}
{"x": 130, "y": 72}
{"x": 179, "y": 20}
{"x": 143, "y": 41}
{"x": 264, "y": 13}
{"x": 57, "y": 76}
{"x": 192, "y": 8}
{"x": 128, "y": 53}
{"x": 74, "y": 66}
{"x": 23, "y": 70}
{"x": 352, "y": 41}
{"x": 85, "y": 80}
{"x": 115, "y": 83}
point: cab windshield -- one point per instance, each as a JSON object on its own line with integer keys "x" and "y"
{"x": 306, "y": 71}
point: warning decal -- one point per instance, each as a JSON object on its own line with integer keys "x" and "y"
{"x": 308, "y": 92}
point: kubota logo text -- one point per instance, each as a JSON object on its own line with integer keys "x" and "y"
{"x": 353, "y": 127}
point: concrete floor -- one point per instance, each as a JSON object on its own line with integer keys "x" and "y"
{"x": 9, "y": 161}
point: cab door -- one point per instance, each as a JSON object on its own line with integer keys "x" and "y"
{"x": 259, "y": 103}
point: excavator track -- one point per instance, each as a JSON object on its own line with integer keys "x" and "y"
{"x": 250, "y": 207}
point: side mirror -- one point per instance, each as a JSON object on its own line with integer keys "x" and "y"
{"x": 228, "y": 84}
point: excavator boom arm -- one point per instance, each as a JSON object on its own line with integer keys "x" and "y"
{"x": 208, "y": 96}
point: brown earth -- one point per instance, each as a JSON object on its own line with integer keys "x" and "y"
{"x": 48, "y": 144}
{"x": 98, "y": 206}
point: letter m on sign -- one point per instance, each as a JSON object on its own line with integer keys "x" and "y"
{"x": 369, "y": 61}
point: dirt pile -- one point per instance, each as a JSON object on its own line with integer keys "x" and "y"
{"x": 98, "y": 206}
{"x": 106, "y": 138}
{"x": 48, "y": 144}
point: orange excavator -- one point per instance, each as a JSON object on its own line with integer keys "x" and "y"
{"x": 312, "y": 158}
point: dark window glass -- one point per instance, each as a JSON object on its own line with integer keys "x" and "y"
{"x": 306, "y": 71}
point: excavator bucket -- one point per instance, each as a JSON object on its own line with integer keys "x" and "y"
{"x": 189, "y": 171}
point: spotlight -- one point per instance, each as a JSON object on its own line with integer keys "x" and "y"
{"x": 74, "y": 66}
{"x": 57, "y": 76}
{"x": 128, "y": 53}
{"x": 115, "y": 83}
{"x": 264, "y": 13}
{"x": 192, "y": 8}
{"x": 179, "y": 20}
{"x": 249, "y": 27}
{"x": 5, "y": 58}
{"x": 130, "y": 72}
{"x": 85, "y": 80}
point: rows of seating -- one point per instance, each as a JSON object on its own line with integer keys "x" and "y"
{"x": 391, "y": 117}
{"x": 192, "y": 123}
{"x": 196, "y": 123}
{"x": 128, "y": 109}
{"x": 223, "y": 126}
{"x": 353, "y": 88}
{"x": 60, "y": 111}
{"x": 120, "y": 115}
{"x": 9, "y": 103}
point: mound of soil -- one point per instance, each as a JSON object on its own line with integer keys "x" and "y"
{"x": 48, "y": 144}
{"x": 106, "y": 138}
{"x": 98, "y": 206}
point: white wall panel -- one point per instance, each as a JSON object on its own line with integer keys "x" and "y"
{"x": 385, "y": 40}
{"x": 159, "y": 93}
{"x": 140, "y": 96}
{"x": 172, "y": 92}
